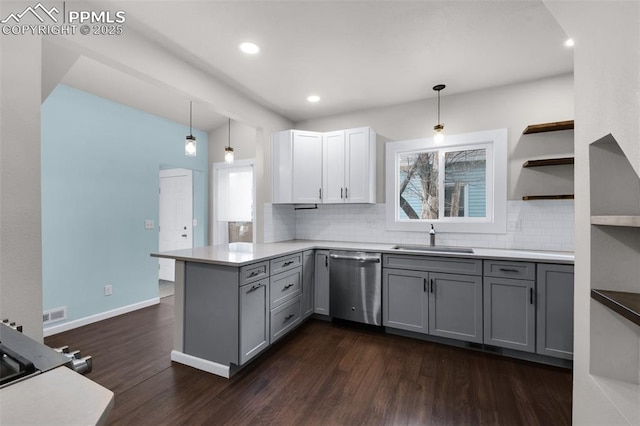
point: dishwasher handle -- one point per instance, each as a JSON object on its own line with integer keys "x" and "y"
{"x": 356, "y": 258}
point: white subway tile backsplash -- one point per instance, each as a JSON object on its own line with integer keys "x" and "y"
{"x": 544, "y": 225}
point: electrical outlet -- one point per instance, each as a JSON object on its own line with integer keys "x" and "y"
{"x": 148, "y": 224}
{"x": 108, "y": 290}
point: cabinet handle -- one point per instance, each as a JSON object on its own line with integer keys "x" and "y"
{"x": 424, "y": 285}
{"x": 288, "y": 317}
{"x": 320, "y": 193}
{"x": 254, "y": 274}
{"x": 431, "y": 285}
{"x": 290, "y": 262}
{"x": 341, "y": 192}
{"x": 254, "y": 288}
{"x": 346, "y": 193}
{"x": 531, "y": 296}
{"x": 508, "y": 270}
{"x": 326, "y": 261}
{"x": 287, "y": 287}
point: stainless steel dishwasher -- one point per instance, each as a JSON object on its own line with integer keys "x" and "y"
{"x": 355, "y": 286}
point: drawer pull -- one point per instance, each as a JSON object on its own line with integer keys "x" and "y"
{"x": 287, "y": 287}
{"x": 254, "y": 288}
{"x": 290, "y": 262}
{"x": 288, "y": 317}
{"x": 255, "y": 274}
{"x": 509, "y": 270}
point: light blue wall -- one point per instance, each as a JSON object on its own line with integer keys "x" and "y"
{"x": 100, "y": 164}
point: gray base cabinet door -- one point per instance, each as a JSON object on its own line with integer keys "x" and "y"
{"x": 555, "y": 311}
{"x": 509, "y": 313}
{"x": 405, "y": 300}
{"x": 308, "y": 272}
{"x": 321, "y": 293}
{"x": 455, "y": 306}
{"x": 254, "y": 319}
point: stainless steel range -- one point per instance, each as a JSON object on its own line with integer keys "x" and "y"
{"x": 22, "y": 357}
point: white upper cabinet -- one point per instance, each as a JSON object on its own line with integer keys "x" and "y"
{"x": 296, "y": 167}
{"x": 349, "y": 166}
{"x": 307, "y": 167}
{"x": 331, "y": 168}
{"x": 360, "y": 166}
{"x": 333, "y": 175}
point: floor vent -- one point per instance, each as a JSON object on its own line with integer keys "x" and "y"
{"x": 53, "y": 315}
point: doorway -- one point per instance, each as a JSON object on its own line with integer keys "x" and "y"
{"x": 175, "y": 221}
{"x": 233, "y": 204}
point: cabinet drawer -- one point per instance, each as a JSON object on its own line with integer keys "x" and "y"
{"x": 434, "y": 264}
{"x": 285, "y": 286}
{"x": 285, "y": 263}
{"x": 284, "y": 318}
{"x": 507, "y": 269}
{"x": 253, "y": 272}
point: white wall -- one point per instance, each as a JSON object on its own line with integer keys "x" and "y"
{"x": 607, "y": 83}
{"x": 20, "y": 224}
{"x": 512, "y": 107}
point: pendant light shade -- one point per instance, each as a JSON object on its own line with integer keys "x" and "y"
{"x": 438, "y": 137}
{"x": 190, "y": 140}
{"x": 228, "y": 151}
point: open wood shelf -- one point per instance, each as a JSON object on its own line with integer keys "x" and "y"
{"x": 549, "y": 162}
{"x": 548, "y": 197}
{"x": 622, "y": 303}
{"x": 548, "y": 127}
{"x": 616, "y": 220}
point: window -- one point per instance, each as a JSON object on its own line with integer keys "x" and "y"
{"x": 460, "y": 186}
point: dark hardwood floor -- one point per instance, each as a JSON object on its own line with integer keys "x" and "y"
{"x": 323, "y": 373}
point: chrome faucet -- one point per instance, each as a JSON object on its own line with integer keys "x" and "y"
{"x": 432, "y": 236}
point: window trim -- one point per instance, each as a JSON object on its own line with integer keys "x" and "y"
{"x": 496, "y": 220}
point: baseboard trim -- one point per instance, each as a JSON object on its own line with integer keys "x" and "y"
{"x": 55, "y": 329}
{"x": 201, "y": 364}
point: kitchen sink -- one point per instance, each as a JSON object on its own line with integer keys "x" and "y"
{"x": 445, "y": 249}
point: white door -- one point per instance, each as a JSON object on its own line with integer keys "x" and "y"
{"x": 333, "y": 167}
{"x": 175, "y": 216}
{"x": 357, "y": 153}
{"x": 307, "y": 167}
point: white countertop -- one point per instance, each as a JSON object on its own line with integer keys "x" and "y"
{"x": 250, "y": 253}
{"x": 58, "y": 397}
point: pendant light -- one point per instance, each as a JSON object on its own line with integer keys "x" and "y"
{"x": 228, "y": 151}
{"x": 190, "y": 141}
{"x": 438, "y": 137}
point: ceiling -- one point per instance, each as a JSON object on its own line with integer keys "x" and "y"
{"x": 353, "y": 54}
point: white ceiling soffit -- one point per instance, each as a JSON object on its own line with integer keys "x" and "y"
{"x": 101, "y": 80}
{"x": 357, "y": 54}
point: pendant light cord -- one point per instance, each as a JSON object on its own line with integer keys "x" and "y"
{"x": 438, "y": 107}
{"x": 190, "y": 118}
{"x": 229, "y": 132}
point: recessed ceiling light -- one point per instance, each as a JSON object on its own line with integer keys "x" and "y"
{"x": 313, "y": 98}
{"x": 569, "y": 42}
{"x": 250, "y": 48}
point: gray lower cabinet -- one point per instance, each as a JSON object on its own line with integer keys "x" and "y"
{"x": 405, "y": 300}
{"x": 285, "y": 317}
{"x": 455, "y": 306}
{"x": 555, "y": 310}
{"x": 445, "y": 305}
{"x": 321, "y": 284}
{"x": 254, "y": 319}
{"x": 509, "y": 313}
{"x": 308, "y": 272}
